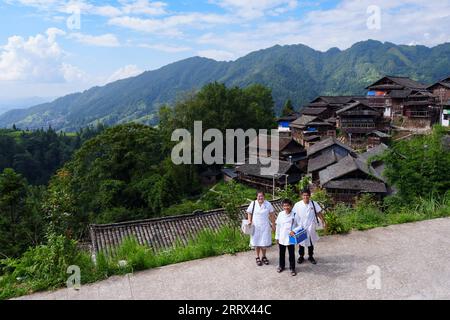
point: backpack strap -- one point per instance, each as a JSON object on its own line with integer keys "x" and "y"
{"x": 315, "y": 211}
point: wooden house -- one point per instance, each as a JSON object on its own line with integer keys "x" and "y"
{"x": 376, "y": 138}
{"x": 288, "y": 149}
{"x": 284, "y": 122}
{"x": 308, "y": 129}
{"x": 441, "y": 90}
{"x": 403, "y": 99}
{"x": 349, "y": 178}
{"x": 251, "y": 174}
{"x": 358, "y": 119}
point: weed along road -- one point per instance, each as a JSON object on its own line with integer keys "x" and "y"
{"x": 409, "y": 261}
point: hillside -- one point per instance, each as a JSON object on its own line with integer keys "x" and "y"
{"x": 294, "y": 72}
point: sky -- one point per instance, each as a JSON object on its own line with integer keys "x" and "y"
{"x": 50, "y": 48}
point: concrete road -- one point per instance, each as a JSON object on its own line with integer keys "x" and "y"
{"x": 411, "y": 260}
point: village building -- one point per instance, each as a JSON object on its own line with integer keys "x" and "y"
{"x": 441, "y": 90}
{"x": 376, "y": 138}
{"x": 331, "y": 104}
{"x": 357, "y": 120}
{"x": 229, "y": 174}
{"x": 349, "y": 178}
{"x": 406, "y": 102}
{"x": 308, "y": 129}
{"x": 287, "y": 150}
{"x": 326, "y": 153}
{"x": 283, "y": 124}
{"x": 251, "y": 174}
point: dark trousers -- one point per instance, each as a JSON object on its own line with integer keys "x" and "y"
{"x": 291, "y": 250}
{"x": 301, "y": 250}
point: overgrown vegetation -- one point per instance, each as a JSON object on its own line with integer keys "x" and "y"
{"x": 45, "y": 267}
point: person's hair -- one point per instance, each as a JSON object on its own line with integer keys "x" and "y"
{"x": 260, "y": 192}
{"x": 287, "y": 201}
{"x": 307, "y": 191}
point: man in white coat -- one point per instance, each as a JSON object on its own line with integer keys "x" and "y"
{"x": 308, "y": 214}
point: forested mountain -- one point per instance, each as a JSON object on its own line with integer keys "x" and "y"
{"x": 294, "y": 72}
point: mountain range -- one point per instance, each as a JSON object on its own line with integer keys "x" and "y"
{"x": 294, "y": 72}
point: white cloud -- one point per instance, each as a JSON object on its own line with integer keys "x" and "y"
{"x": 170, "y": 26}
{"x": 38, "y": 58}
{"x": 143, "y": 7}
{"x": 125, "y": 72}
{"x": 105, "y": 40}
{"x": 219, "y": 55}
{"x": 251, "y": 9}
{"x": 165, "y": 48}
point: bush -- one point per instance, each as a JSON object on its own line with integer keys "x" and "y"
{"x": 335, "y": 224}
{"x": 44, "y": 266}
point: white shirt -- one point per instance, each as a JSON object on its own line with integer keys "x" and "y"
{"x": 306, "y": 219}
{"x": 262, "y": 236}
{"x": 285, "y": 224}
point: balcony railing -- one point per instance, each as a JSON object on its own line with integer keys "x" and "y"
{"x": 417, "y": 114}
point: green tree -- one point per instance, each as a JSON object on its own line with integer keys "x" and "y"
{"x": 418, "y": 167}
{"x": 288, "y": 108}
{"x": 12, "y": 210}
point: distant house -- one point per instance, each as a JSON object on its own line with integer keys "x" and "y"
{"x": 441, "y": 90}
{"x": 404, "y": 99}
{"x": 288, "y": 149}
{"x": 326, "y": 153}
{"x": 445, "y": 117}
{"x": 331, "y": 104}
{"x": 307, "y": 129}
{"x": 349, "y": 178}
{"x": 376, "y": 137}
{"x": 285, "y": 121}
{"x": 229, "y": 174}
{"x": 251, "y": 174}
{"x": 358, "y": 119}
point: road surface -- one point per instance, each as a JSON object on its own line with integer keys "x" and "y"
{"x": 409, "y": 261}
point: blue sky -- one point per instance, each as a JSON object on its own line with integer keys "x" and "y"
{"x": 41, "y": 54}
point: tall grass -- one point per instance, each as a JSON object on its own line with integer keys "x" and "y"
{"x": 44, "y": 268}
{"x": 368, "y": 214}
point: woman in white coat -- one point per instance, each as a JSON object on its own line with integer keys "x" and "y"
{"x": 261, "y": 214}
{"x": 308, "y": 214}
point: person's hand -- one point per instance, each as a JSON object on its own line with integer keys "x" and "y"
{"x": 249, "y": 223}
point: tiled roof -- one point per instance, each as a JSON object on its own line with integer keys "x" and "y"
{"x": 313, "y": 111}
{"x": 161, "y": 233}
{"x": 303, "y": 121}
{"x": 343, "y": 167}
{"x": 371, "y": 111}
{"x": 255, "y": 169}
{"x": 323, "y": 144}
{"x": 400, "y": 83}
{"x": 322, "y": 161}
{"x": 357, "y": 184}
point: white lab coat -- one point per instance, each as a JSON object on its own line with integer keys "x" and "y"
{"x": 262, "y": 236}
{"x": 306, "y": 219}
{"x": 285, "y": 224}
